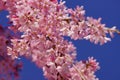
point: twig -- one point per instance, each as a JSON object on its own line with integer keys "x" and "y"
{"x": 80, "y": 73}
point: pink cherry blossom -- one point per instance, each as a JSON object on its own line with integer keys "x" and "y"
{"x": 42, "y": 25}
{"x": 9, "y": 68}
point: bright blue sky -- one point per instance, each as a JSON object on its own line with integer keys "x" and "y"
{"x": 108, "y": 55}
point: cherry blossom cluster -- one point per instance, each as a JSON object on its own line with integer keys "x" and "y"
{"x": 9, "y": 68}
{"x": 43, "y": 24}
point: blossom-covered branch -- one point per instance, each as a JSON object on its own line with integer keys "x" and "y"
{"x": 9, "y": 68}
{"x": 43, "y": 25}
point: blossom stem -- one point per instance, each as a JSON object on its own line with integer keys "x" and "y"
{"x": 109, "y": 29}
{"x": 117, "y": 31}
{"x": 80, "y": 73}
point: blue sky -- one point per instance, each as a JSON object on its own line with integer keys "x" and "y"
{"x": 108, "y": 54}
